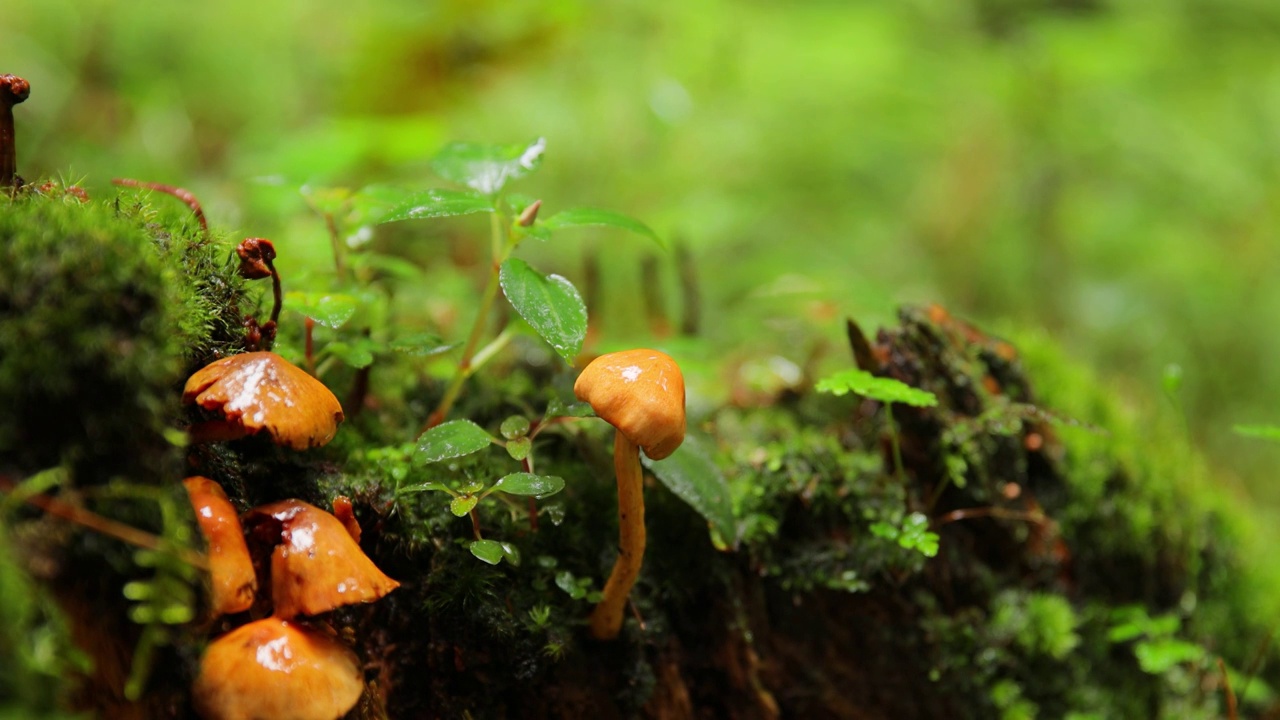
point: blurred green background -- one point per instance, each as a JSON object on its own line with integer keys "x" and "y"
{"x": 1108, "y": 170}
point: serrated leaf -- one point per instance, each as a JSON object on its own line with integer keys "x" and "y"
{"x": 539, "y": 486}
{"x": 886, "y": 390}
{"x": 490, "y": 551}
{"x": 549, "y": 303}
{"x": 462, "y": 504}
{"x": 437, "y": 203}
{"x": 332, "y": 310}
{"x": 487, "y": 168}
{"x": 694, "y": 478}
{"x": 587, "y": 217}
{"x": 421, "y": 345}
{"x": 452, "y": 439}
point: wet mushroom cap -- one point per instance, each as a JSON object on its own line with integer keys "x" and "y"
{"x": 260, "y": 391}
{"x": 639, "y": 392}
{"x": 230, "y": 567}
{"x": 317, "y": 566}
{"x": 274, "y": 670}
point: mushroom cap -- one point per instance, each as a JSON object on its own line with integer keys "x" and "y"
{"x": 230, "y": 567}
{"x": 271, "y": 669}
{"x": 639, "y": 392}
{"x": 318, "y": 566}
{"x": 15, "y": 89}
{"x": 262, "y": 391}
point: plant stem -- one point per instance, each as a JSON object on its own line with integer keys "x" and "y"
{"x": 500, "y": 250}
{"x": 606, "y": 618}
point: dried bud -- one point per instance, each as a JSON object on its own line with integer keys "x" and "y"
{"x": 529, "y": 214}
{"x": 256, "y": 255}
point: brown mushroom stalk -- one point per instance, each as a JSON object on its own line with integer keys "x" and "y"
{"x": 641, "y": 393}
{"x": 257, "y": 261}
{"x": 13, "y": 90}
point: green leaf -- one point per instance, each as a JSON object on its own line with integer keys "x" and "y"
{"x": 515, "y": 426}
{"x": 1160, "y": 655}
{"x": 519, "y": 448}
{"x": 389, "y": 265}
{"x": 332, "y": 310}
{"x": 421, "y": 345}
{"x": 538, "y": 486}
{"x": 357, "y": 354}
{"x": 586, "y": 217}
{"x": 452, "y": 439}
{"x": 557, "y": 408}
{"x": 437, "y": 203}
{"x": 487, "y": 168}
{"x": 462, "y": 504}
{"x": 916, "y": 535}
{"x": 490, "y": 551}
{"x": 1265, "y": 432}
{"x": 886, "y": 390}
{"x": 549, "y": 303}
{"x": 421, "y": 487}
{"x": 694, "y": 478}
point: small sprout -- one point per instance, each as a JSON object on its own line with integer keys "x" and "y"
{"x": 271, "y": 668}
{"x": 529, "y": 214}
{"x": 463, "y": 504}
{"x": 516, "y": 426}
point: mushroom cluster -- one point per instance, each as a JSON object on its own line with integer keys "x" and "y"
{"x": 276, "y": 667}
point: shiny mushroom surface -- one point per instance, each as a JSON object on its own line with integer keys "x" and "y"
{"x": 232, "y": 580}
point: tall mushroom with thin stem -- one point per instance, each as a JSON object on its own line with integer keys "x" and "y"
{"x": 232, "y": 580}
{"x": 641, "y": 393}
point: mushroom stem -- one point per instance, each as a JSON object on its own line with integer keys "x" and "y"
{"x": 606, "y": 618}
{"x": 13, "y": 90}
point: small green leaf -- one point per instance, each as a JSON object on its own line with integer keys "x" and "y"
{"x": 357, "y": 354}
{"x": 487, "y": 168}
{"x": 421, "y": 345}
{"x": 490, "y": 551}
{"x": 538, "y": 486}
{"x": 557, "y": 408}
{"x": 437, "y": 203}
{"x": 884, "y": 530}
{"x": 549, "y": 303}
{"x": 519, "y": 448}
{"x": 916, "y": 535}
{"x": 586, "y": 217}
{"x": 513, "y": 427}
{"x": 462, "y": 504}
{"x": 568, "y": 583}
{"x": 332, "y": 310}
{"x": 452, "y": 439}
{"x": 420, "y": 487}
{"x": 1264, "y": 432}
{"x": 694, "y": 478}
{"x": 1161, "y": 655}
{"x": 886, "y": 390}
{"x": 390, "y": 265}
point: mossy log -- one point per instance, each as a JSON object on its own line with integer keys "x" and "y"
{"x": 1082, "y": 567}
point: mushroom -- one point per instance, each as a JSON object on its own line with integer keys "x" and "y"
{"x": 231, "y": 570}
{"x": 641, "y": 393}
{"x": 262, "y": 391}
{"x": 271, "y": 669}
{"x": 318, "y": 566}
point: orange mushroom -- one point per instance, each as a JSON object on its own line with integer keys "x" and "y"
{"x": 274, "y": 670}
{"x": 231, "y": 570}
{"x": 318, "y": 566}
{"x": 260, "y": 391}
{"x": 641, "y": 393}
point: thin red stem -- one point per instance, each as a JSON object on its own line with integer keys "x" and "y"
{"x": 183, "y": 195}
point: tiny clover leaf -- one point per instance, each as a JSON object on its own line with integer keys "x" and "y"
{"x": 586, "y": 217}
{"x": 487, "y": 168}
{"x": 421, "y": 345}
{"x": 490, "y": 551}
{"x": 436, "y": 203}
{"x": 916, "y": 535}
{"x": 690, "y": 473}
{"x": 538, "y": 486}
{"x": 1264, "y": 432}
{"x": 549, "y": 303}
{"x": 452, "y": 439}
{"x": 885, "y": 390}
{"x": 332, "y": 310}
{"x": 463, "y": 504}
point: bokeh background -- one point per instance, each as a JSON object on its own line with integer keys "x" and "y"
{"x": 1106, "y": 170}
